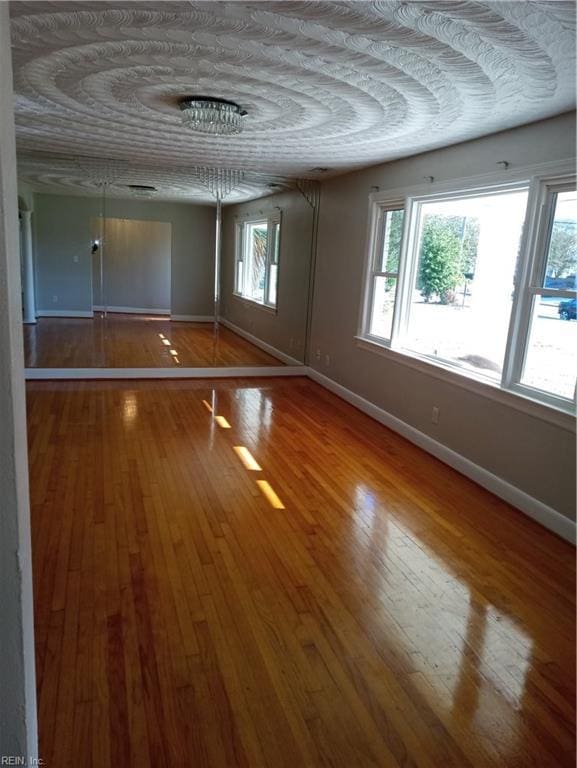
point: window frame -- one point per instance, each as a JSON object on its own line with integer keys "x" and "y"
{"x": 273, "y": 223}
{"x": 273, "y": 260}
{"x": 371, "y": 272}
{"x": 541, "y": 208}
{"x": 542, "y": 182}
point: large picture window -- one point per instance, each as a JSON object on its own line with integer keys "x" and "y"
{"x": 466, "y": 284}
{"x": 461, "y": 290}
{"x": 257, "y": 260}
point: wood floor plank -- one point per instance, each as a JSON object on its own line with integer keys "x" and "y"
{"x": 133, "y": 341}
{"x": 391, "y": 613}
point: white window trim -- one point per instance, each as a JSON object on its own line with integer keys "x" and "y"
{"x": 374, "y": 248}
{"x": 540, "y": 177}
{"x": 539, "y": 216}
{"x": 472, "y": 383}
{"x": 272, "y": 218}
{"x": 246, "y": 302}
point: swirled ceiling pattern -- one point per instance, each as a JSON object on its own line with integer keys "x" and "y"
{"x": 340, "y": 85}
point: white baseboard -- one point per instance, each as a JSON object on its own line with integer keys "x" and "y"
{"x": 131, "y": 310}
{"x": 63, "y": 313}
{"x": 264, "y": 371}
{"x": 287, "y": 359}
{"x": 193, "y": 318}
{"x": 533, "y": 508}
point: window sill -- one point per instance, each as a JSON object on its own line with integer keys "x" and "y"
{"x": 256, "y": 304}
{"x": 481, "y": 386}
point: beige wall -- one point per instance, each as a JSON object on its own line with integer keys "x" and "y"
{"x": 63, "y": 236}
{"x": 531, "y": 454}
{"x": 284, "y": 329}
{"x": 136, "y": 263}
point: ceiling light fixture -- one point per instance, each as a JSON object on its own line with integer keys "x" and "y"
{"x": 142, "y": 190}
{"x": 217, "y": 117}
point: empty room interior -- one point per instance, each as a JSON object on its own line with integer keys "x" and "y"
{"x": 288, "y": 362}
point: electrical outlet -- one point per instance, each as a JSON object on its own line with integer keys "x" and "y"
{"x": 75, "y": 258}
{"x": 435, "y": 414}
{"x": 327, "y": 359}
{"x": 318, "y": 354}
{"x": 54, "y": 299}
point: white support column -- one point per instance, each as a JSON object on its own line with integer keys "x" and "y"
{"x": 18, "y": 732}
{"x": 28, "y": 271}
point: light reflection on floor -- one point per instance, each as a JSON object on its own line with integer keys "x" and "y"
{"x": 253, "y": 408}
{"x": 470, "y": 650}
{"x": 129, "y": 408}
{"x": 414, "y": 591}
{"x": 248, "y": 460}
{"x": 135, "y": 341}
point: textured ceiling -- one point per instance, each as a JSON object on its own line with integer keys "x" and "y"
{"x": 81, "y": 175}
{"x": 336, "y": 85}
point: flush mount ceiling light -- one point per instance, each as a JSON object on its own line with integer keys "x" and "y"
{"x": 142, "y": 190}
{"x": 217, "y": 117}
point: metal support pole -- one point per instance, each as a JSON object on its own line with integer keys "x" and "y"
{"x": 101, "y": 249}
{"x": 217, "y": 258}
{"x": 312, "y": 277}
{"x": 28, "y": 270}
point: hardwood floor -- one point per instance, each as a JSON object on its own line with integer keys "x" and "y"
{"x": 391, "y": 613}
{"x": 134, "y": 341}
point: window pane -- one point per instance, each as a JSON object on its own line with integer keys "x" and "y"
{"x": 551, "y": 358}
{"x": 276, "y": 243}
{"x": 272, "y": 282}
{"x": 462, "y": 296}
{"x": 383, "y": 305}
{"x": 392, "y": 234}
{"x": 239, "y": 274}
{"x": 257, "y": 236}
{"x": 562, "y": 251}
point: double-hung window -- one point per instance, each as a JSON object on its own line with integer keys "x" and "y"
{"x": 384, "y": 269}
{"x": 257, "y": 259}
{"x": 481, "y": 282}
{"x": 544, "y": 365}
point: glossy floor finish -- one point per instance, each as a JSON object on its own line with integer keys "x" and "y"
{"x": 348, "y": 601}
{"x": 134, "y": 341}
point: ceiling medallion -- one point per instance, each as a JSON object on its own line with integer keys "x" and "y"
{"x": 218, "y": 117}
